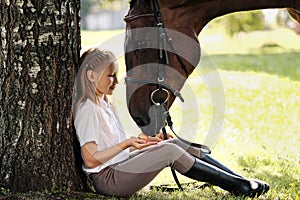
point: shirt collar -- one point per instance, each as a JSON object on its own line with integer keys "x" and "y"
{"x": 104, "y": 102}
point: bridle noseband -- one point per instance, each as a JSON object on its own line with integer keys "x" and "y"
{"x": 161, "y": 85}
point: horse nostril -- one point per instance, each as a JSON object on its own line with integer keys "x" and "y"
{"x": 140, "y": 122}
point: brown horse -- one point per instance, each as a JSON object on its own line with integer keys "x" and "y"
{"x": 162, "y": 49}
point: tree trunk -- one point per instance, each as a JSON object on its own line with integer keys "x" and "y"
{"x": 40, "y": 49}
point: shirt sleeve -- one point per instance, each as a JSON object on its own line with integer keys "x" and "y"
{"x": 88, "y": 124}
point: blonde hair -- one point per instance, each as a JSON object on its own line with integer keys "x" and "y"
{"x": 97, "y": 61}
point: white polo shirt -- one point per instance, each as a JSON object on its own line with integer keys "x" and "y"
{"x": 99, "y": 124}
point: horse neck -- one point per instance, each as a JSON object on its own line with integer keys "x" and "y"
{"x": 230, "y": 6}
{"x": 195, "y": 14}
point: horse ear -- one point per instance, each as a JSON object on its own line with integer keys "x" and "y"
{"x": 173, "y": 3}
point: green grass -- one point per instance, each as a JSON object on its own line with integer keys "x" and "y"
{"x": 260, "y": 137}
{"x": 283, "y": 65}
{"x": 261, "y": 133}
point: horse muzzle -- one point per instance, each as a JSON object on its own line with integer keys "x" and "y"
{"x": 157, "y": 120}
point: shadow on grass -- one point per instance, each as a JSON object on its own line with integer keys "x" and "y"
{"x": 56, "y": 195}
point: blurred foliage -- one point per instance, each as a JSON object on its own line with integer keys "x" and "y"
{"x": 282, "y": 18}
{"x": 242, "y": 22}
{"x": 88, "y": 6}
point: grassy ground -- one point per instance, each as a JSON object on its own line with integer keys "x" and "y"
{"x": 260, "y": 136}
{"x": 261, "y": 132}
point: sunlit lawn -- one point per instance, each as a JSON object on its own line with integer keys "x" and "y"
{"x": 260, "y": 133}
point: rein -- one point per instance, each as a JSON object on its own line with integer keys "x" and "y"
{"x": 135, "y": 17}
{"x": 164, "y": 40}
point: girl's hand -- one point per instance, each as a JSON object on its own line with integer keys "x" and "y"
{"x": 157, "y": 138}
{"x": 161, "y": 136}
{"x": 149, "y": 138}
{"x": 139, "y": 143}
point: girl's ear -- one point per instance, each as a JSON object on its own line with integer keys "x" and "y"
{"x": 90, "y": 75}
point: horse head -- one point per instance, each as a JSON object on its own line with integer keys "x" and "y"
{"x": 162, "y": 49}
{"x": 156, "y": 68}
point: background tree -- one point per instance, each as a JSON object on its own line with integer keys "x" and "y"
{"x": 242, "y": 22}
{"x": 282, "y": 18}
{"x": 40, "y": 48}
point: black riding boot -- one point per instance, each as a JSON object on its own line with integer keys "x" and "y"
{"x": 239, "y": 186}
{"x": 208, "y": 159}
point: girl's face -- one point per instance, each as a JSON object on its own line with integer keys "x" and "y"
{"x": 108, "y": 81}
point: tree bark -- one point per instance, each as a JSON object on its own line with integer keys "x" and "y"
{"x": 40, "y": 49}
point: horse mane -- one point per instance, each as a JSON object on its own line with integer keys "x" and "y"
{"x": 144, "y": 2}
{"x": 131, "y": 3}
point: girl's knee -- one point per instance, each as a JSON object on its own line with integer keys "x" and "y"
{"x": 172, "y": 149}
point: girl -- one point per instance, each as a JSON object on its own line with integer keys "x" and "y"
{"x": 121, "y": 166}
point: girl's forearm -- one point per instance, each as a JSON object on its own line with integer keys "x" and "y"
{"x": 107, "y": 154}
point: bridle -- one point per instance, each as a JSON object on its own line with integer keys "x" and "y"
{"x": 164, "y": 40}
{"x": 162, "y": 86}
